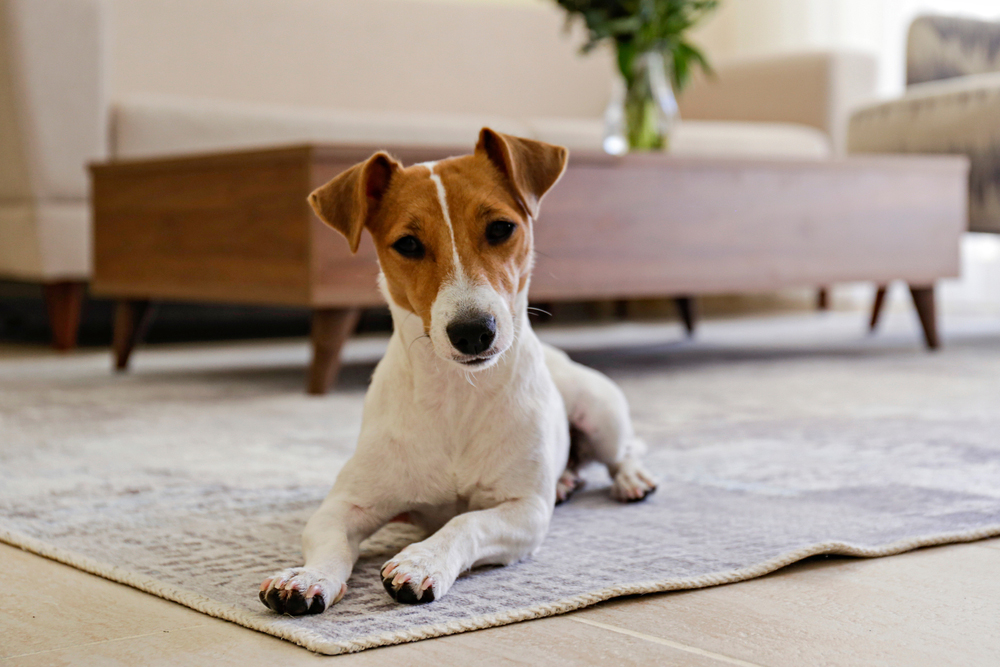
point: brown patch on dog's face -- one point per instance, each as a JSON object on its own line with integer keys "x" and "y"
{"x": 454, "y": 238}
{"x": 481, "y": 210}
{"x": 410, "y": 209}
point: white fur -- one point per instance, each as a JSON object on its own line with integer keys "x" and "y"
{"x": 443, "y": 201}
{"x": 477, "y": 465}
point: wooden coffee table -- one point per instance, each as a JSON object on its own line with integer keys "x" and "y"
{"x": 236, "y": 228}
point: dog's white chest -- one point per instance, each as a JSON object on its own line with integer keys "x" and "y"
{"x": 477, "y": 439}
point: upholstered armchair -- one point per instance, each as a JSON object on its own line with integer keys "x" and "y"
{"x": 951, "y": 105}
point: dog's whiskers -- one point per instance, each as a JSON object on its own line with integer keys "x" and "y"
{"x": 532, "y": 309}
{"x": 423, "y": 335}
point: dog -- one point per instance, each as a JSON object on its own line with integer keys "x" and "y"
{"x": 472, "y": 427}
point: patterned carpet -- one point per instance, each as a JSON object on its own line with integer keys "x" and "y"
{"x": 774, "y": 440}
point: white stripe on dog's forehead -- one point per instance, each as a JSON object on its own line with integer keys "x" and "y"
{"x": 443, "y": 199}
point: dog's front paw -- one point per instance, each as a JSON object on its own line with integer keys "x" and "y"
{"x": 412, "y": 576}
{"x": 632, "y": 482}
{"x": 299, "y": 590}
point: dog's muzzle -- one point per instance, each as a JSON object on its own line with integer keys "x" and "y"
{"x": 472, "y": 335}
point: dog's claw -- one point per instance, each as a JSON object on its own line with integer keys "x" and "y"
{"x": 632, "y": 483}
{"x": 298, "y": 592}
{"x": 400, "y": 584}
{"x": 568, "y": 484}
{"x": 406, "y": 594}
{"x": 645, "y": 494}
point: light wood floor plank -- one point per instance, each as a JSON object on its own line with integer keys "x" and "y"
{"x": 542, "y": 642}
{"x": 992, "y": 544}
{"x": 47, "y": 605}
{"x": 934, "y": 607}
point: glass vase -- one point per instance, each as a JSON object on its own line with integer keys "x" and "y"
{"x": 642, "y": 110}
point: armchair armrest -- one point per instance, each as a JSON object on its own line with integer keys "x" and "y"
{"x": 953, "y": 116}
{"x": 814, "y": 89}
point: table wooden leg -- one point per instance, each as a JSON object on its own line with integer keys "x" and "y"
{"x": 923, "y": 299}
{"x": 823, "y": 299}
{"x": 330, "y": 328}
{"x": 877, "y": 306}
{"x": 687, "y": 308}
{"x": 132, "y": 319}
{"x": 64, "y": 302}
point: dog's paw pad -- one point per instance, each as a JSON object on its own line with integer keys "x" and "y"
{"x": 568, "y": 484}
{"x": 298, "y": 591}
{"x": 632, "y": 483}
{"x": 408, "y": 581}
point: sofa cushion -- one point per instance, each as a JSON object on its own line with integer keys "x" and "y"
{"x": 699, "y": 137}
{"x": 162, "y": 126}
{"x": 151, "y": 126}
{"x": 959, "y": 115}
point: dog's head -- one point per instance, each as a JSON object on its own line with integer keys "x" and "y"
{"x": 454, "y": 238}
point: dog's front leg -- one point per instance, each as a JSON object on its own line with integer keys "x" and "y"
{"x": 503, "y": 534}
{"x": 330, "y": 544}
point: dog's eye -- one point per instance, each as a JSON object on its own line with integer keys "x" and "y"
{"x": 499, "y": 231}
{"x": 409, "y": 246}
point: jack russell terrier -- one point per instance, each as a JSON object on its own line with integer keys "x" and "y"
{"x": 472, "y": 426}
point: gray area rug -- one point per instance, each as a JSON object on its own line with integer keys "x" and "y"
{"x": 192, "y": 477}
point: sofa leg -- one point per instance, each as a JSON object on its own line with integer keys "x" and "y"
{"x": 64, "y": 302}
{"x": 132, "y": 319}
{"x": 331, "y": 327}
{"x": 688, "y": 310}
{"x": 877, "y": 307}
{"x": 923, "y": 299}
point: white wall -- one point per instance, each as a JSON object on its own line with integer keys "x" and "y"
{"x": 759, "y": 27}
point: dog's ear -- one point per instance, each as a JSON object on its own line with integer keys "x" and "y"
{"x": 532, "y": 167}
{"x": 348, "y": 201}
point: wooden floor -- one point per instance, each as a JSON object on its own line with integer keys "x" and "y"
{"x": 936, "y": 607}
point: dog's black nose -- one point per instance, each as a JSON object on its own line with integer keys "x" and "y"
{"x": 472, "y": 335}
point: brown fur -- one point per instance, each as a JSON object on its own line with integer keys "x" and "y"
{"x": 504, "y": 179}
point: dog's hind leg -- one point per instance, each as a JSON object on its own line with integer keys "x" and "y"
{"x": 569, "y": 481}
{"x": 598, "y": 414}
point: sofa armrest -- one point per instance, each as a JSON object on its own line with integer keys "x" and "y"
{"x": 815, "y": 89}
{"x": 53, "y": 111}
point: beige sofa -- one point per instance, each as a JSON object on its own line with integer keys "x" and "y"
{"x": 87, "y": 80}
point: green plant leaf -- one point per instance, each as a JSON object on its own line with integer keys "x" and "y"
{"x": 638, "y": 26}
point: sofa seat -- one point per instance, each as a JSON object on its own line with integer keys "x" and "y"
{"x": 146, "y": 127}
{"x": 691, "y": 138}
{"x": 959, "y": 115}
